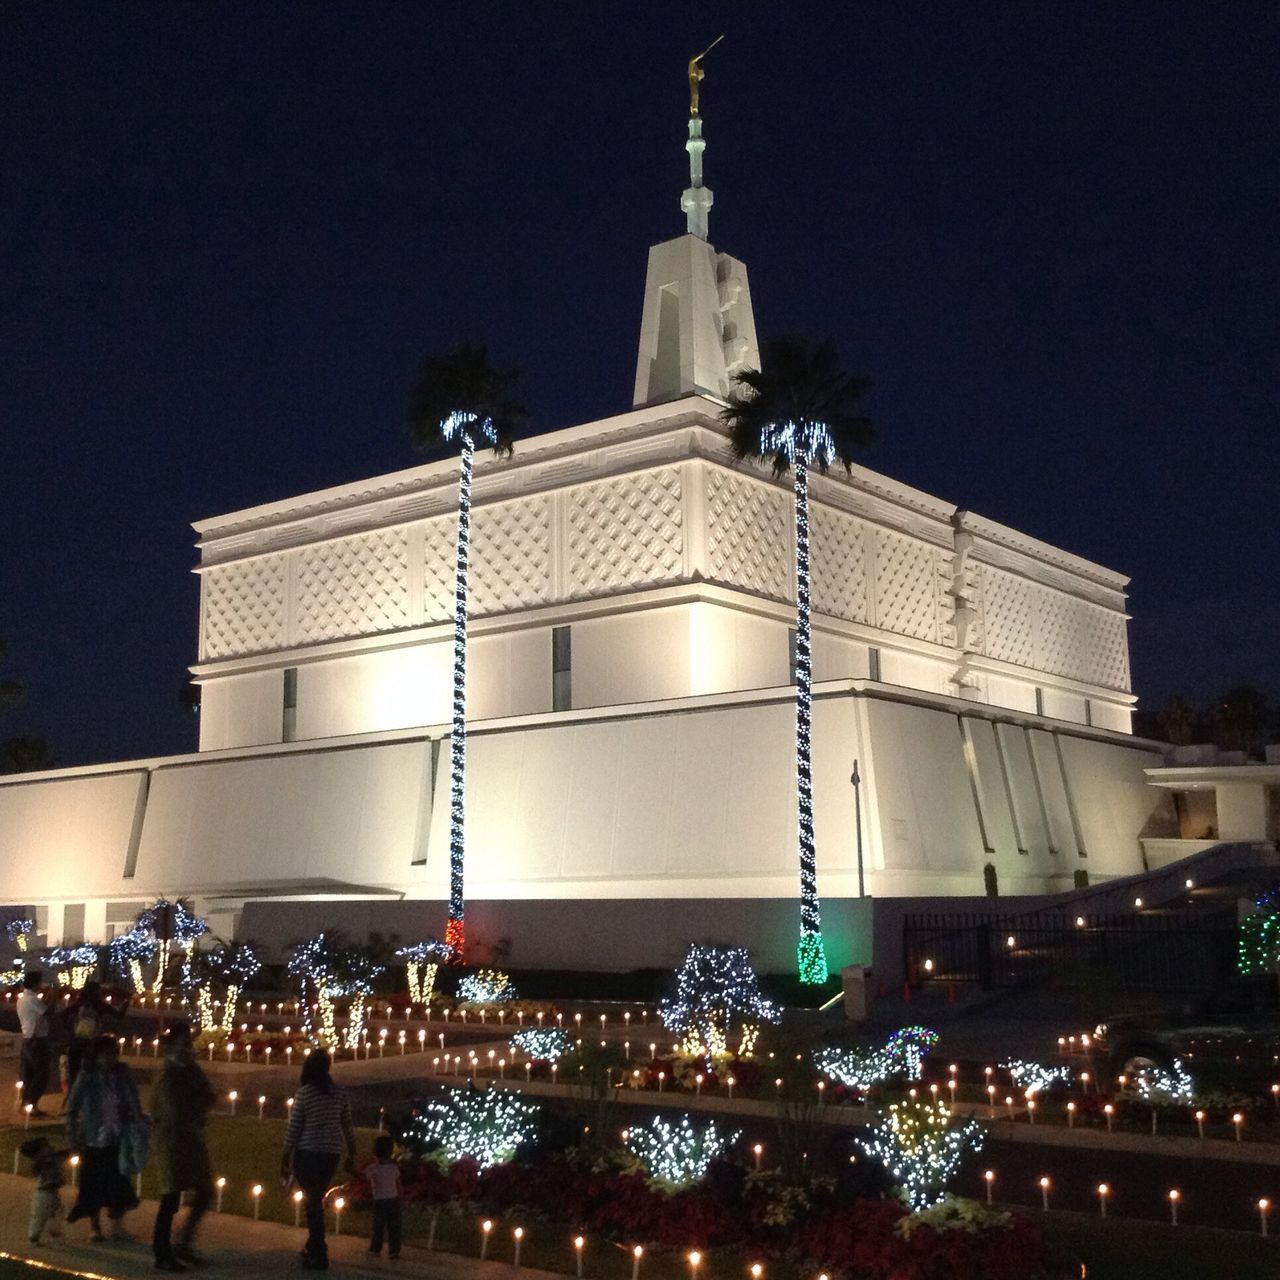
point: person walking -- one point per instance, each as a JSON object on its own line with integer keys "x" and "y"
{"x": 102, "y": 1107}
{"x": 89, "y": 1019}
{"x": 180, "y": 1106}
{"x": 46, "y": 1205}
{"x": 319, "y": 1129}
{"x": 36, "y": 1055}
{"x": 383, "y": 1176}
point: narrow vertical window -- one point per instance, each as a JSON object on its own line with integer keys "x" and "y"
{"x": 289, "y": 728}
{"x": 561, "y": 670}
{"x": 791, "y": 655}
{"x": 873, "y": 664}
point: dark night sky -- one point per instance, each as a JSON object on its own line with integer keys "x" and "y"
{"x": 1046, "y": 231}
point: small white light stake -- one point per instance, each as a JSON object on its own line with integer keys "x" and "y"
{"x": 757, "y": 1151}
{"x": 636, "y": 1254}
{"x": 518, "y": 1236}
{"x": 1071, "y": 1115}
{"x": 262, "y": 1102}
{"x": 695, "y": 1261}
{"x": 578, "y": 1243}
{"x": 1109, "y": 1111}
{"x": 1174, "y": 1196}
{"x": 1264, "y": 1208}
{"x": 756, "y": 1271}
{"x": 232, "y": 1098}
{"x": 257, "y": 1199}
{"x": 338, "y": 1205}
{"x": 1103, "y": 1192}
{"x": 221, "y": 1186}
{"x": 297, "y": 1208}
{"x": 1044, "y": 1193}
{"x": 485, "y": 1228}
{"x": 1200, "y": 1124}
{"x": 75, "y": 1171}
{"x": 989, "y": 1177}
{"x": 991, "y": 1102}
{"x": 27, "y": 1110}
{"x": 1238, "y": 1120}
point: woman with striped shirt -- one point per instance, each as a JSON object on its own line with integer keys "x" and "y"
{"x": 319, "y": 1128}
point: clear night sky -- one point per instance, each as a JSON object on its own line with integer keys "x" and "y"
{"x": 1046, "y": 231}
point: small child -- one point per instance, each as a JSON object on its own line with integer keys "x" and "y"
{"x": 384, "y": 1181}
{"x": 46, "y": 1204}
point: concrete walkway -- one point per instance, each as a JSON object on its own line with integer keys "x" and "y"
{"x": 236, "y": 1246}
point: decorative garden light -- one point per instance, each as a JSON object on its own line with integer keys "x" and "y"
{"x": 338, "y": 1205}
{"x": 487, "y": 1127}
{"x": 678, "y": 1154}
{"x": 1158, "y": 1086}
{"x": 921, "y": 1147}
{"x": 256, "y": 1192}
{"x": 989, "y": 1177}
{"x": 127, "y": 952}
{"x": 757, "y": 1151}
{"x": 695, "y": 1261}
{"x": 1264, "y": 1208}
{"x": 1109, "y": 1111}
{"x": 461, "y": 400}
{"x": 74, "y": 1162}
{"x": 638, "y": 1252}
{"x": 799, "y": 414}
{"x": 1044, "y": 1192}
{"x": 716, "y": 987}
{"x": 232, "y": 1098}
{"x": 236, "y": 966}
{"x": 486, "y": 1227}
{"x": 486, "y": 986}
{"x": 19, "y": 932}
{"x": 1200, "y": 1124}
{"x": 1035, "y": 1077}
{"x": 1103, "y": 1192}
{"x": 262, "y": 1102}
{"x": 1238, "y": 1121}
{"x": 298, "y": 1198}
{"x": 1174, "y": 1196}
{"x": 422, "y": 963}
{"x": 579, "y": 1242}
{"x": 220, "y": 1186}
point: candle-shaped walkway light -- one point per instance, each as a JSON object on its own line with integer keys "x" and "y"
{"x": 1109, "y": 1111}
{"x": 989, "y": 1177}
{"x": 1103, "y": 1192}
{"x": 232, "y": 1098}
{"x": 1200, "y": 1124}
{"x": 1174, "y": 1196}
{"x": 518, "y": 1236}
{"x": 338, "y": 1205}
{"x": 579, "y": 1243}
{"x": 486, "y": 1227}
{"x": 636, "y": 1254}
{"x": 256, "y": 1192}
{"x": 297, "y": 1208}
{"x": 1071, "y": 1115}
{"x": 1238, "y": 1120}
{"x": 991, "y": 1102}
{"x": 74, "y": 1162}
{"x": 695, "y": 1262}
{"x": 1044, "y": 1191}
{"x": 1264, "y": 1208}
{"x": 220, "y": 1185}
{"x": 262, "y": 1102}
{"x": 758, "y": 1151}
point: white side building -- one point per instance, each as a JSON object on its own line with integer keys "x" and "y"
{"x": 631, "y": 748}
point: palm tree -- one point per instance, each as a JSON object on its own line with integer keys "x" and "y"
{"x": 461, "y": 400}
{"x": 799, "y": 412}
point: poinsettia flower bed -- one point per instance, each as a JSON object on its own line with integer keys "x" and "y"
{"x": 848, "y": 1226}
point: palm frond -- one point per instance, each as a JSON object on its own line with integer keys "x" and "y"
{"x": 799, "y": 381}
{"x": 463, "y": 381}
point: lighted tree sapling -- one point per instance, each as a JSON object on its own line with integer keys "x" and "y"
{"x": 717, "y": 992}
{"x": 800, "y": 412}
{"x": 486, "y": 1126}
{"x": 460, "y": 400}
{"x": 422, "y": 962}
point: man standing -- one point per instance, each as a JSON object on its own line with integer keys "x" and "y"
{"x": 37, "y": 1060}
{"x": 180, "y": 1105}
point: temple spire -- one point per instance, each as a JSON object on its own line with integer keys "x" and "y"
{"x": 696, "y": 200}
{"x": 697, "y": 329}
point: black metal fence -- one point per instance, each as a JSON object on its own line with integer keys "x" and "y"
{"x": 1190, "y": 950}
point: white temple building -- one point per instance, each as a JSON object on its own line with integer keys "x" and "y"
{"x": 631, "y": 754}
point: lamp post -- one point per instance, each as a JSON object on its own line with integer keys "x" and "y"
{"x": 855, "y": 779}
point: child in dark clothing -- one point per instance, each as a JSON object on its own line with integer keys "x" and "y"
{"x": 46, "y": 1204}
{"x": 384, "y": 1181}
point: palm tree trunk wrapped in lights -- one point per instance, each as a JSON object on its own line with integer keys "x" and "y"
{"x": 461, "y": 400}
{"x": 799, "y": 412}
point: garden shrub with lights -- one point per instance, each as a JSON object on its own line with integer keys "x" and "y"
{"x": 677, "y": 1185}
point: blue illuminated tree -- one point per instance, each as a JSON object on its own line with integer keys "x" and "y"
{"x": 460, "y": 400}
{"x": 799, "y": 412}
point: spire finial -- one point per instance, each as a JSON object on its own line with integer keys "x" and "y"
{"x": 697, "y": 199}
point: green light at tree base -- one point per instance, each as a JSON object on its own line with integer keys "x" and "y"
{"x": 811, "y": 959}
